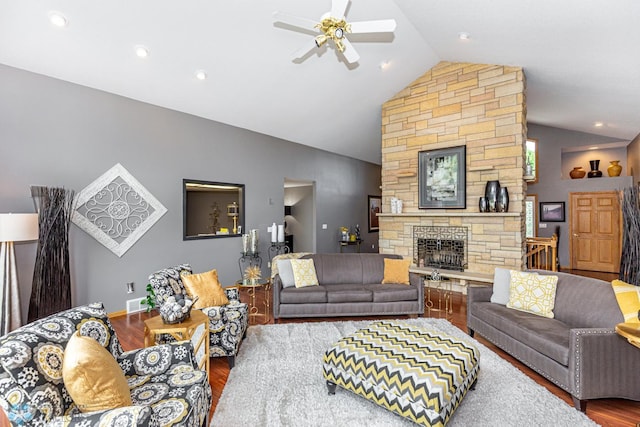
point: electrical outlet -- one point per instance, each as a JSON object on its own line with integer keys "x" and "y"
{"x": 135, "y": 305}
{"x": 324, "y": 226}
{"x": 269, "y": 229}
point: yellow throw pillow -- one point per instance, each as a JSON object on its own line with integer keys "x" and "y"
{"x": 92, "y": 376}
{"x": 628, "y": 297}
{"x": 396, "y": 271}
{"x": 206, "y": 287}
{"x": 532, "y": 293}
{"x": 304, "y": 273}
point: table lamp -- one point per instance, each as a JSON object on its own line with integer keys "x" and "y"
{"x": 13, "y": 228}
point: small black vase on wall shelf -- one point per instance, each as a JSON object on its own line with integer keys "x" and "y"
{"x": 491, "y": 191}
{"x": 594, "y": 172}
{"x": 502, "y": 204}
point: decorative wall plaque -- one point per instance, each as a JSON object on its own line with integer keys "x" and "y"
{"x": 116, "y": 210}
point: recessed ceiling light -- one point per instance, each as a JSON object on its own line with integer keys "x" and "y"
{"x": 58, "y": 19}
{"x": 598, "y": 124}
{"x": 464, "y": 36}
{"x": 384, "y": 65}
{"x": 141, "y": 51}
{"x": 201, "y": 75}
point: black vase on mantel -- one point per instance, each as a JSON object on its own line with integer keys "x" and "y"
{"x": 594, "y": 172}
{"x": 491, "y": 191}
{"x": 502, "y": 205}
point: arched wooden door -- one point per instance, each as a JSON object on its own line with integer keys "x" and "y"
{"x": 595, "y": 223}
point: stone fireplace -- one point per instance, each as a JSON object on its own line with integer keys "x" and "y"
{"x": 479, "y": 106}
{"x": 440, "y": 247}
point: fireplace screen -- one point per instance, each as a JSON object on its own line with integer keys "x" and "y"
{"x": 440, "y": 247}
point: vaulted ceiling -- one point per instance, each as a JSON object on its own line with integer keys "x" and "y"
{"x": 579, "y": 56}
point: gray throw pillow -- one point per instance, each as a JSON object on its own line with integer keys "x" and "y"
{"x": 501, "y": 281}
{"x": 286, "y": 273}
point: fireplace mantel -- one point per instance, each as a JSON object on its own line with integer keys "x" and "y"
{"x": 451, "y": 214}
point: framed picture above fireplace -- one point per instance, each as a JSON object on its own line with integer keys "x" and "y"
{"x": 442, "y": 178}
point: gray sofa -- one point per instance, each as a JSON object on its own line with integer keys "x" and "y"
{"x": 578, "y": 350}
{"x": 350, "y": 285}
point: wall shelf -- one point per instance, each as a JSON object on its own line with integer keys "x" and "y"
{"x": 481, "y": 168}
{"x": 452, "y": 214}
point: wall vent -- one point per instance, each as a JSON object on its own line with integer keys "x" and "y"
{"x": 133, "y": 305}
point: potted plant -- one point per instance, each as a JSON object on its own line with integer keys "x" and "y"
{"x": 150, "y": 299}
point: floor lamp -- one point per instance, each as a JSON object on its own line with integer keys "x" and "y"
{"x": 13, "y": 228}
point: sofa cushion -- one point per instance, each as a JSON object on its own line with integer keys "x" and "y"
{"x": 575, "y": 294}
{"x": 286, "y": 273}
{"x": 308, "y": 295}
{"x": 501, "y": 282}
{"x": 628, "y": 297}
{"x": 348, "y": 293}
{"x": 92, "y": 376}
{"x": 396, "y": 271}
{"x": 393, "y": 292}
{"x": 532, "y": 293}
{"x": 547, "y": 336}
{"x": 304, "y": 273}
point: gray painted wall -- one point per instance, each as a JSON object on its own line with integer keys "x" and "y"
{"x": 55, "y": 133}
{"x": 554, "y": 184}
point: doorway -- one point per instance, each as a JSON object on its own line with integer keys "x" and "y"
{"x": 595, "y": 231}
{"x": 300, "y": 229}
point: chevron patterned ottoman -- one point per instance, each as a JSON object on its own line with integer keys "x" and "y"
{"x": 417, "y": 373}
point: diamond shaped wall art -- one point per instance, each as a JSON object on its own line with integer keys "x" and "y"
{"x": 116, "y": 210}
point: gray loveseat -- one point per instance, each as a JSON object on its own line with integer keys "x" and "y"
{"x": 578, "y": 350}
{"x": 350, "y": 285}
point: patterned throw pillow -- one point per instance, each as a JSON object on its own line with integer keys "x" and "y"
{"x": 92, "y": 376}
{"x": 533, "y": 293}
{"x": 396, "y": 271}
{"x": 206, "y": 287}
{"x": 628, "y": 297}
{"x": 304, "y": 273}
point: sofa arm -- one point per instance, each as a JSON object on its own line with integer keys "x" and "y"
{"x": 479, "y": 294}
{"x": 135, "y": 362}
{"x": 601, "y": 364}
{"x": 138, "y": 415}
{"x": 276, "y": 287}
{"x": 417, "y": 280}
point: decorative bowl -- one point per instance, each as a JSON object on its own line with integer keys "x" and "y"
{"x": 176, "y": 309}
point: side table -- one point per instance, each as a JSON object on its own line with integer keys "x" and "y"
{"x": 195, "y": 328}
{"x": 254, "y": 309}
{"x": 437, "y": 297}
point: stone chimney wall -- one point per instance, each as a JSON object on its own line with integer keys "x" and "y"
{"x": 477, "y": 105}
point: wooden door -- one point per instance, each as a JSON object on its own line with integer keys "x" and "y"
{"x": 595, "y": 231}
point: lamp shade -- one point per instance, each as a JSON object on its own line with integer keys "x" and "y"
{"x": 18, "y": 227}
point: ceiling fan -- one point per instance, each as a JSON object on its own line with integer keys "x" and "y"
{"x": 334, "y": 27}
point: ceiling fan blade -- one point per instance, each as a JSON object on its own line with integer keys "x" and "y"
{"x": 349, "y": 52}
{"x": 295, "y": 21}
{"x": 304, "y": 49}
{"x": 380, "y": 26}
{"x": 338, "y": 8}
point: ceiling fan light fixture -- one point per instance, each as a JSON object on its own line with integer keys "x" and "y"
{"x": 321, "y": 39}
{"x": 464, "y": 36}
{"x": 201, "y": 75}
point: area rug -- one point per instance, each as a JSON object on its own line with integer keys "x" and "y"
{"x": 277, "y": 381}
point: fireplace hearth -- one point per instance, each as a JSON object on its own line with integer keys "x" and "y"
{"x": 440, "y": 247}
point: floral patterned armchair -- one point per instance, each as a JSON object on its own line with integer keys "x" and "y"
{"x": 227, "y": 323}
{"x": 167, "y": 388}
